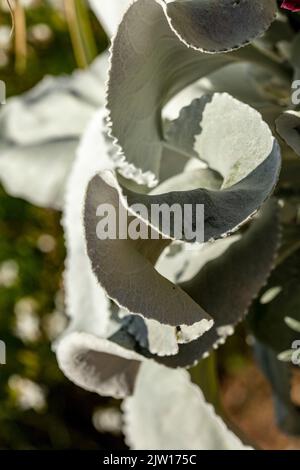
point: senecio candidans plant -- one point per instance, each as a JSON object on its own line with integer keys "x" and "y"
{"x": 200, "y": 107}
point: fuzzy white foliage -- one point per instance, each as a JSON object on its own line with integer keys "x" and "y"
{"x": 39, "y": 134}
{"x": 167, "y": 411}
{"x": 87, "y": 303}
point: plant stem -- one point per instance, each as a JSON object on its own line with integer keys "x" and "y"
{"x": 287, "y": 253}
{"x": 20, "y": 37}
{"x": 82, "y": 37}
{"x": 205, "y": 375}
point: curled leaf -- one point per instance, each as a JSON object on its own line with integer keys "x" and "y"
{"x": 124, "y": 266}
{"x": 238, "y": 147}
{"x": 225, "y": 290}
{"x": 87, "y": 305}
{"x": 152, "y": 336}
{"x": 109, "y": 369}
{"x": 154, "y": 58}
{"x": 177, "y": 264}
{"x": 98, "y": 365}
{"x": 201, "y": 25}
{"x": 167, "y": 411}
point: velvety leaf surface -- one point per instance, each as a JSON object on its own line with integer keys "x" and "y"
{"x": 98, "y": 365}
{"x": 124, "y": 266}
{"x": 225, "y": 290}
{"x": 151, "y": 62}
{"x": 201, "y": 23}
{"x": 87, "y": 304}
{"x": 39, "y": 134}
{"x": 167, "y": 411}
{"x": 236, "y": 144}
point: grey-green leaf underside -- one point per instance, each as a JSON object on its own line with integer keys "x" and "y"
{"x": 238, "y": 147}
{"x": 123, "y": 266}
{"x": 225, "y": 290}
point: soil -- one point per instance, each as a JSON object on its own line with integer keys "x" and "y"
{"x": 247, "y": 400}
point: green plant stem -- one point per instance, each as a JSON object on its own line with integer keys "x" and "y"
{"x": 20, "y": 37}
{"x": 287, "y": 253}
{"x": 205, "y": 375}
{"x": 82, "y": 37}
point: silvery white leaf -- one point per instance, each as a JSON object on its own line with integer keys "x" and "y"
{"x": 167, "y": 411}
{"x": 238, "y": 146}
{"x": 225, "y": 290}
{"x": 38, "y": 173}
{"x": 84, "y": 353}
{"x": 233, "y": 139}
{"x": 178, "y": 264}
{"x": 86, "y": 303}
{"x": 103, "y": 366}
{"x": 40, "y": 131}
{"x": 187, "y": 260}
{"x": 159, "y": 339}
{"x": 154, "y": 37}
{"x": 212, "y": 279}
{"x": 123, "y": 266}
{"x": 28, "y": 121}
{"x": 98, "y": 365}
